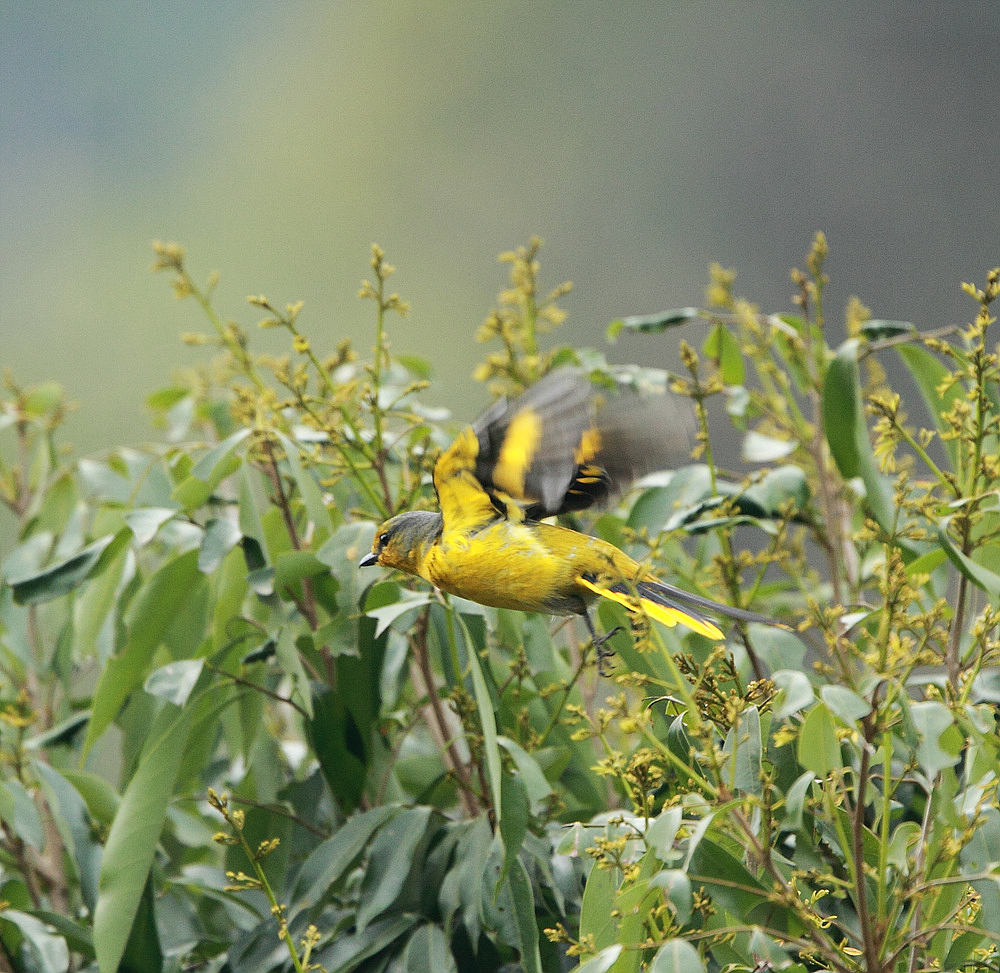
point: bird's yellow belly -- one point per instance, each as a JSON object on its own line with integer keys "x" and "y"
{"x": 506, "y": 565}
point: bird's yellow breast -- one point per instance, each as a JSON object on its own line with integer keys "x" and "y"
{"x": 524, "y": 566}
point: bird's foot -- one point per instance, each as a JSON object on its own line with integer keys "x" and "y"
{"x": 604, "y": 654}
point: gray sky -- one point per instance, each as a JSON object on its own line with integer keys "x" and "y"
{"x": 640, "y": 140}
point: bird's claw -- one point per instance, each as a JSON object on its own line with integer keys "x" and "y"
{"x": 605, "y": 655}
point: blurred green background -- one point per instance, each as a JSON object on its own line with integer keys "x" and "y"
{"x": 276, "y": 141}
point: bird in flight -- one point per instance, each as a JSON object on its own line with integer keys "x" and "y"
{"x": 564, "y": 445}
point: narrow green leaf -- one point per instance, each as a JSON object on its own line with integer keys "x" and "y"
{"x": 385, "y": 615}
{"x": 61, "y": 578}
{"x": 662, "y": 833}
{"x": 981, "y": 577}
{"x": 340, "y": 745}
{"x": 876, "y": 328}
{"x": 930, "y": 373}
{"x": 349, "y": 950}
{"x": 847, "y": 433}
{"x": 74, "y": 825}
{"x": 656, "y": 323}
{"x": 309, "y": 490}
{"x": 758, "y": 448}
{"x": 514, "y": 817}
{"x": 677, "y": 888}
{"x": 328, "y": 862}
{"x": 524, "y": 907}
{"x": 538, "y": 788}
{"x": 151, "y": 614}
{"x": 487, "y": 719}
{"x": 135, "y": 831}
{"x": 210, "y": 467}
{"x": 744, "y": 743}
{"x": 395, "y": 854}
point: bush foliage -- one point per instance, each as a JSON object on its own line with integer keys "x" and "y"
{"x": 226, "y": 749}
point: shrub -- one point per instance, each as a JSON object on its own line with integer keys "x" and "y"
{"x": 227, "y": 749}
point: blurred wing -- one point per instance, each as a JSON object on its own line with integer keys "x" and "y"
{"x": 565, "y": 444}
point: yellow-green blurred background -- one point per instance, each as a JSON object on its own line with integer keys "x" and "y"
{"x": 640, "y": 140}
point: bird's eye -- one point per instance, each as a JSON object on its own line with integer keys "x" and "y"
{"x": 383, "y": 539}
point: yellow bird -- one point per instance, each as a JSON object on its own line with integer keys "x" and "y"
{"x": 562, "y": 446}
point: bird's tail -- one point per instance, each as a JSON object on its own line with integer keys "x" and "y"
{"x": 674, "y": 606}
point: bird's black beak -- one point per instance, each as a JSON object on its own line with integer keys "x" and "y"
{"x": 368, "y": 560}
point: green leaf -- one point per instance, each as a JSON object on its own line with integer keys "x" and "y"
{"x": 524, "y": 908}
{"x": 796, "y": 692}
{"x": 981, "y": 577}
{"x": 677, "y": 888}
{"x": 385, "y": 615}
{"x": 876, "y": 328}
{"x": 309, "y": 490}
{"x": 144, "y": 522}
{"x": 795, "y": 801}
{"x": 341, "y": 747}
{"x": 940, "y": 738}
{"x": 819, "y": 748}
{"x": 19, "y": 813}
{"x": 845, "y": 703}
{"x": 175, "y": 681}
{"x": 487, "y": 719}
{"x": 662, "y": 833}
{"x": 328, "y": 861}
{"x": 847, "y": 434}
{"x": 218, "y": 463}
{"x": 74, "y": 825}
{"x": 597, "y": 908}
{"x": 722, "y": 346}
{"x": 677, "y": 956}
{"x": 514, "y": 817}
{"x": 744, "y": 744}
{"x": 602, "y": 961}
{"x": 654, "y": 323}
{"x": 135, "y": 831}
{"x": 61, "y": 578}
{"x": 150, "y": 615}
{"x": 779, "y": 488}
{"x": 396, "y": 855}
{"x": 47, "y": 950}
{"x": 221, "y": 536}
{"x": 350, "y": 950}
{"x": 758, "y": 448}
{"x": 418, "y": 367}
{"x": 930, "y": 373}
{"x": 538, "y": 788}
{"x": 428, "y": 950}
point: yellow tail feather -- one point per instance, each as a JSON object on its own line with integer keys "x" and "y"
{"x": 662, "y": 613}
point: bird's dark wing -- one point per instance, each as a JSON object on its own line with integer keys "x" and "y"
{"x": 566, "y": 444}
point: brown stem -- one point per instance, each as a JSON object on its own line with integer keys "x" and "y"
{"x": 438, "y": 723}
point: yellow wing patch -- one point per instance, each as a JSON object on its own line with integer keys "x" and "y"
{"x": 517, "y": 452}
{"x": 668, "y": 616}
{"x": 589, "y": 447}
